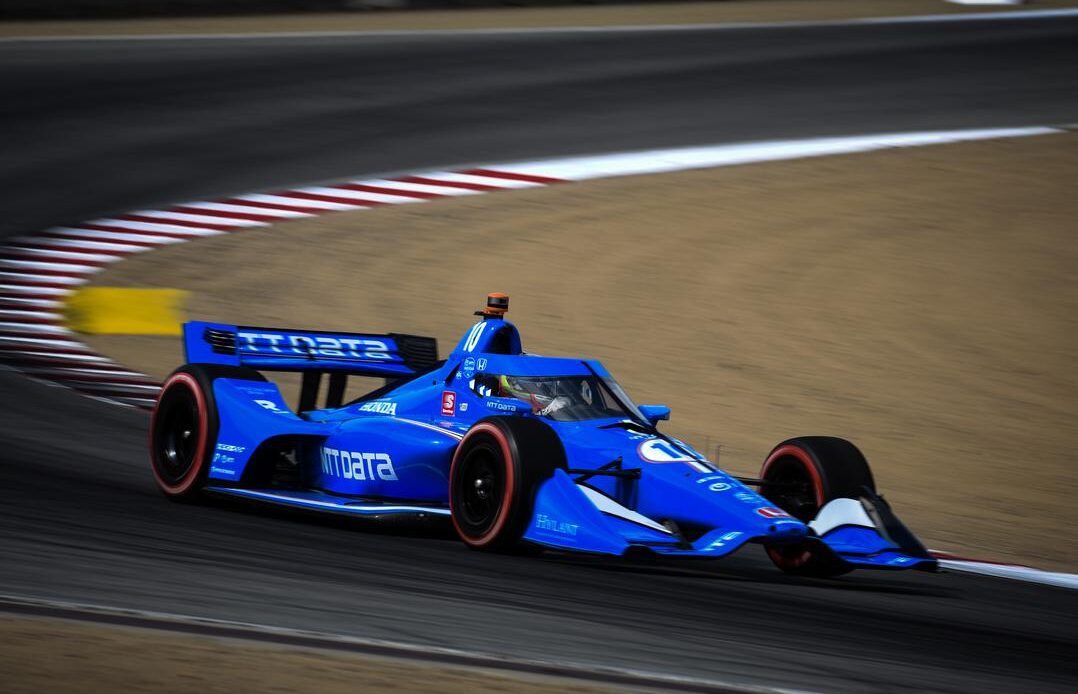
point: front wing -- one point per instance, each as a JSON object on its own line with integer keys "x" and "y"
{"x": 861, "y": 532}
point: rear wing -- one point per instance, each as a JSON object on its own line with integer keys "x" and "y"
{"x": 273, "y": 349}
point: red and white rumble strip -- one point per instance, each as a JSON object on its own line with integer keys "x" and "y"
{"x": 37, "y": 272}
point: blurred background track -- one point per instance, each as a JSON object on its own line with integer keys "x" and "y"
{"x": 47, "y": 17}
{"x": 96, "y": 128}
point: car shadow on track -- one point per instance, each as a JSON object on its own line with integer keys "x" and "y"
{"x": 741, "y": 569}
{"x": 431, "y": 527}
{"x": 752, "y": 570}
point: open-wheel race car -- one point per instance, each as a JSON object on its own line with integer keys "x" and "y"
{"x": 515, "y": 448}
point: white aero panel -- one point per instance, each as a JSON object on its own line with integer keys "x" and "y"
{"x": 607, "y": 505}
{"x": 840, "y": 512}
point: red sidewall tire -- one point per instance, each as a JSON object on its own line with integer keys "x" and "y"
{"x": 492, "y": 534}
{"x": 514, "y": 456}
{"x": 195, "y": 473}
{"x": 833, "y": 468}
{"x": 791, "y": 558}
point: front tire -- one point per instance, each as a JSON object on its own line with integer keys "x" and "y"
{"x": 801, "y": 476}
{"x": 183, "y": 427}
{"x": 493, "y": 478}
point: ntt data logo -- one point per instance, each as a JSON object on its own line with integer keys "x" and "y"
{"x": 353, "y": 465}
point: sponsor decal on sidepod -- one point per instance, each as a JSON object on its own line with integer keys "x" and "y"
{"x": 379, "y": 406}
{"x": 221, "y": 455}
{"x": 449, "y": 403}
{"x": 545, "y": 522}
{"x": 353, "y": 465}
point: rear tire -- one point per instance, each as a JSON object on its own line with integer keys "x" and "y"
{"x": 801, "y": 476}
{"x": 495, "y": 472}
{"x": 183, "y": 427}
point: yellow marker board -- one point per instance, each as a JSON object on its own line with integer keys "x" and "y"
{"x": 126, "y": 311}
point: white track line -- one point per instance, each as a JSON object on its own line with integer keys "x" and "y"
{"x": 360, "y": 197}
{"x": 48, "y": 254}
{"x": 14, "y": 313}
{"x": 244, "y": 209}
{"x": 29, "y": 266}
{"x": 686, "y": 158}
{"x": 956, "y": 17}
{"x": 1017, "y": 573}
{"x": 986, "y": 2}
{"x": 429, "y": 188}
{"x": 315, "y": 206}
{"x": 7, "y": 290}
{"x": 30, "y": 279}
{"x": 119, "y": 236}
{"x": 43, "y": 328}
{"x": 30, "y": 303}
{"x": 452, "y": 177}
{"x": 80, "y": 244}
{"x": 127, "y": 225}
{"x": 209, "y": 218}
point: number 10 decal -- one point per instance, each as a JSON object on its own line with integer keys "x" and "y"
{"x": 473, "y": 337}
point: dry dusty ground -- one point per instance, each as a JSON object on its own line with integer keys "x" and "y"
{"x": 46, "y": 655}
{"x": 664, "y": 13}
{"x": 921, "y": 302}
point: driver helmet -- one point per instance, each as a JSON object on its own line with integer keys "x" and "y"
{"x": 542, "y": 403}
{"x": 510, "y": 387}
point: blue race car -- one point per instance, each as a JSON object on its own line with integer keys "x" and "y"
{"x": 512, "y": 447}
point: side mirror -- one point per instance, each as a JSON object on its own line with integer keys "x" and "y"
{"x": 655, "y": 413}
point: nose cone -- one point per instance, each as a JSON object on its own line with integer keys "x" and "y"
{"x": 785, "y": 529}
{"x": 772, "y": 522}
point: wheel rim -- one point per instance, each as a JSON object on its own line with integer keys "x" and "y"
{"x": 480, "y": 491}
{"x": 789, "y": 485}
{"x": 176, "y": 435}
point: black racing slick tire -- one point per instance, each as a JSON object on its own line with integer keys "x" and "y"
{"x": 183, "y": 427}
{"x": 494, "y": 476}
{"x": 801, "y": 476}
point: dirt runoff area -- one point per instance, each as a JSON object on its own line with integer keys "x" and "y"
{"x": 519, "y": 17}
{"x": 920, "y": 302}
{"x": 48, "y": 655}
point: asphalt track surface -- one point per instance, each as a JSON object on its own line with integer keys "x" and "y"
{"x": 92, "y": 128}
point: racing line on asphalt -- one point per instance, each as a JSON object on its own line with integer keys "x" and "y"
{"x": 37, "y": 272}
{"x": 378, "y": 648}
